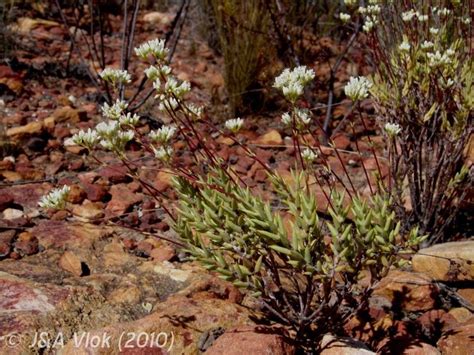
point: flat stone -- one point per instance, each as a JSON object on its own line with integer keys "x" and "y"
{"x": 26, "y": 130}
{"x": 453, "y": 261}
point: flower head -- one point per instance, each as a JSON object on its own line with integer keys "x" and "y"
{"x": 107, "y": 129}
{"x": 357, "y": 88}
{"x": 234, "y": 125}
{"x": 115, "y": 110}
{"x": 163, "y": 135}
{"x": 56, "y": 199}
{"x": 427, "y": 45}
{"x": 88, "y": 139}
{"x": 129, "y": 119}
{"x": 292, "y": 82}
{"x": 344, "y": 17}
{"x": 115, "y": 76}
{"x": 152, "y": 73}
{"x": 309, "y": 155}
{"x": 409, "y": 15}
{"x": 404, "y": 46}
{"x": 155, "y": 48}
{"x": 163, "y": 153}
{"x": 392, "y": 129}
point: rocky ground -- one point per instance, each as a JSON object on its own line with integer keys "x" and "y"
{"x": 109, "y": 266}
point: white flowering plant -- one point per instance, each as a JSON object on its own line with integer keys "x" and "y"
{"x": 423, "y": 90}
{"x": 227, "y": 227}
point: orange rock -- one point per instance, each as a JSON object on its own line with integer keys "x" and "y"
{"x": 272, "y": 137}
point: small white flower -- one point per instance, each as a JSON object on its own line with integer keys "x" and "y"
{"x": 152, "y": 73}
{"x": 434, "y": 31}
{"x": 88, "y": 139}
{"x": 446, "y": 83}
{"x": 129, "y": 119}
{"x": 450, "y": 52}
{"x": 114, "y": 111}
{"x": 167, "y": 103}
{"x": 292, "y": 82}
{"x": 357, "y": 88}
{"x": 392, "y": 129}
{"x": 117, "y": 141}
{"x": 444, "y": 12}
{"x": 115, "y": 76}
{"x": 404, "y": 46}
{"x": 422, "y": 18}
{"x": 409, "y": 15}
{"x": 286, "y": 119}
{"x": 308, "y": 155}
{"x": 427, "y": 45}
{"x": 466, "y": 20}
{"x": 196, "y": 111}
{"x": 107, "y": 129}
{"x": 157, "y": 84}
{"x": 172, "y": 87}
{"x": 56, "y": 199}
{"x": 437, "y": 59}
{"x": 165, "y": 70}
{"x": 350, "y": 2}
{"x": 163, "y": 153}
{"x": 292, "y": 91}
{"x": 163, "y": 135}
{"x": 155, "y": 48}
{"x": 368, "y": 25}
{"x": 374, "y": 9}
{"x": 344, "y": 17}
{"x": 362, "y": 10}
{"x": 234, "y": 125}
{"x": 302, "y": 116}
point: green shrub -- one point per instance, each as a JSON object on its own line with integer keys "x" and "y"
{"x": 306, "y": 273}
{"x": 305, "y": 269}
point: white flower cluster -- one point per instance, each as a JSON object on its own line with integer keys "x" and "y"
{"x": 113, "y": 137}
{"x": 357, "y": 88}
{"x": 404, "y": 46}
{"x": 392, "y": 129}
{"x": 115, "y": 76}
{"x": 129, "y": 119}
{"x": 179, "y": 90}
{"x": 163, "y": 153}
{"x": 302, "y": 118}
{"x": 371, "y": 15}
{"x": 154, "y": 48}
{"x": 438, "y": 59}
{"x": 234, "y": 125}
{"x": 56, "y": 199}
{"x": 412, "y": 14}
{"x": 427, "y": 45}
{"x": 163, "y": 135}
{"x": 309, "y": 155}
{"x": 292, "y": 82}
{"x": 196, "y": 111}
{"x": 344, "y": 17}
{"x": 87, "y": 139}
{"x": 115, "y": 110}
